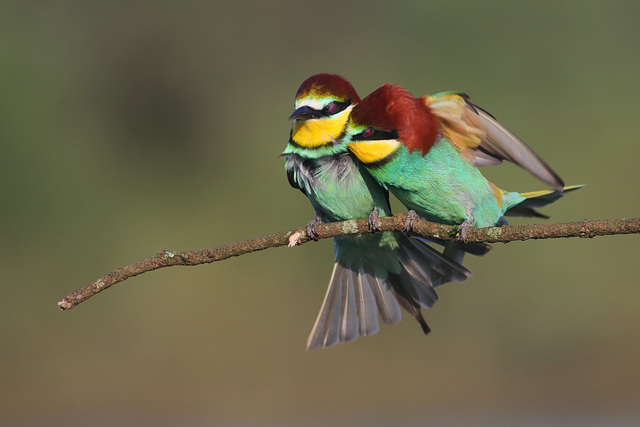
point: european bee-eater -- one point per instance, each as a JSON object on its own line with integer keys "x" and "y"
{"x": 426, "y": 152}
{"x": 373, "y": 272}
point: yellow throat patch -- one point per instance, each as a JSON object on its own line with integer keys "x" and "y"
{"x": 373, "y": 151}
{"x": 313, "y": 133}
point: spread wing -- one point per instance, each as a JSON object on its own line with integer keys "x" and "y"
{"x": 482, "y": 139}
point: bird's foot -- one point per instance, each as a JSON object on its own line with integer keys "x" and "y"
{"x": 408, "y": 223}
{"x": 311, "y": 229}
{"x": 372, "y": 220}
{"x": 464, "y": 228}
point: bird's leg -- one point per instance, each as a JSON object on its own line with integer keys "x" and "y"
{"x": 311, "y": 227}
{"x": 463, "y": 228}
{"x": 411, "y": 218}
{"x": 373, "y": 220}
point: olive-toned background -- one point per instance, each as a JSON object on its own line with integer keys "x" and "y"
{"x": 127, "y": 127}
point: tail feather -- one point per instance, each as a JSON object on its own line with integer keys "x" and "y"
{"x": 416, "y": 283}
{"x": 362, "y": 288}
{"x": 420, "y": 259}
{"x": 332, "y": 335}
{"x": 423, "y": 269}
{"x": 366, "y": 305}
{"x": 455, "y": 251}
{"x": 538, "y": 199}
{"x": 351, "y": 305}
{"x": 325, "y": 332}
{"x": 418, "y": 289}
{"x": 349, "y": 310}
{"x": 387, "y": 303}
{"x": 410, "y": 305}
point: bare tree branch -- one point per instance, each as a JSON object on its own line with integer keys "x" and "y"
{"x": 298, "y": 236}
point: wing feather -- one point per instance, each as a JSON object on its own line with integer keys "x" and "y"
{"x": 483, "y": 140}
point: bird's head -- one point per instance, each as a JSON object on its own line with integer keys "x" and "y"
{"x": 322, "y": 107}
{"x": 388, "y": 117}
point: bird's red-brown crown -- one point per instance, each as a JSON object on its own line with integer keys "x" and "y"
{"x": 330, "y": 85}
{"x": 391, "y": 107}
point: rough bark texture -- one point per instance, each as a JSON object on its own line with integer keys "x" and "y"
{"x": 165, "y": 258}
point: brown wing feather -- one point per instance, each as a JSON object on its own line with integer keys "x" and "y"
{"x": 501, "y": 143}
{"x": 485, "y": 141}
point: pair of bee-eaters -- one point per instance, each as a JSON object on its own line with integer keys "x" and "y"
{"x": 347, "y": 154}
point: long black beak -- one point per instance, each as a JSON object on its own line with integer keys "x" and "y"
{"x": 304, "y": 112}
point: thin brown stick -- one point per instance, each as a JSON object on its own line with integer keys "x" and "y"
{"x": 298, "y": 236}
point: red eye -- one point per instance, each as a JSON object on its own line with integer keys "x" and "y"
{"x": 332, "y": 107}
{"x": 367, "y": 133}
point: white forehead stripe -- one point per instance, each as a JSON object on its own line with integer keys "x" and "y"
{"x": 316, "y": 104}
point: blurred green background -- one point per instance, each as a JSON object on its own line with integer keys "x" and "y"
{"x": 128, "y": 127}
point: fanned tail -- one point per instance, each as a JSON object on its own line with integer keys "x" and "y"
{"x": 381, "y": 280}
{"x": 423, "y": 269}
{"x": 351, "y": 305}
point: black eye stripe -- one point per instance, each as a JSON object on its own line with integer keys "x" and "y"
{"x": 339, "y": 107}
{"x": 376, "y": 135}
